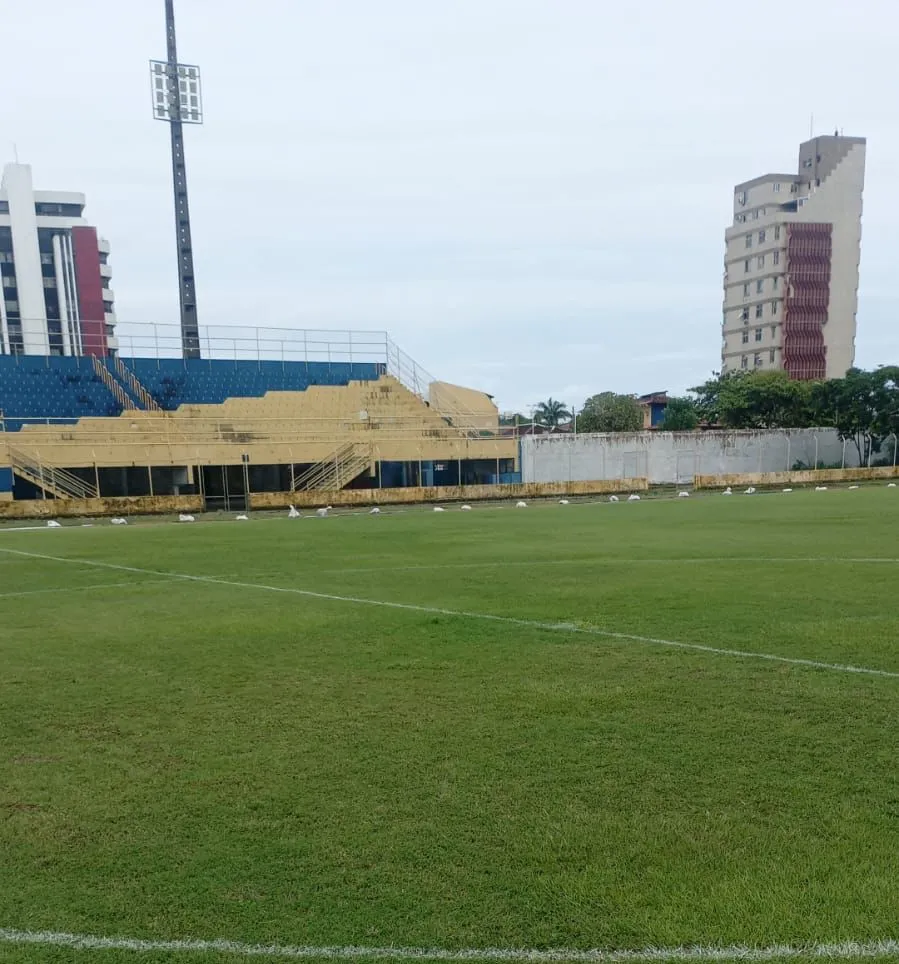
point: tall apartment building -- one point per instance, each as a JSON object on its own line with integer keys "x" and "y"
{"x": 55, "y": 297}
{"x": 791, "y": 264}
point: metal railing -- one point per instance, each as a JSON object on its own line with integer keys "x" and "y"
{"x": 169, "y": 428}
{"x": 143, "y": 396}
{"x": 119, "y": 393}
{"x": 50, "y": 478}
{"x": 336, "y": 471}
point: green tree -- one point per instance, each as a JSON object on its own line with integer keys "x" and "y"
{"x": 681, "y": 415}
{"x": 708, "y": 395}
{"x": 514, "y": 418}
{"x": 551, "y": 413}
{"x": 608, "y": 412}
{"x": 763, "y": 400}
{"x": 863, "y": 407}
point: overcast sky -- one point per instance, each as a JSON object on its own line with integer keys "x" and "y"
{"x": 530, "y": 195}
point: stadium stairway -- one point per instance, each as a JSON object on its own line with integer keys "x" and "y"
{"x": 347, "y": 462}
{"x": 56, "y": 481}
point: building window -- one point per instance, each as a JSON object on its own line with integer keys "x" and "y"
{"x": 9, "y": 281}
{"x": 746, "y": 268}
{"x": 49, "y": 282}
{"x": 773, "y": 331}
{"x": 773, "y": 307}
{"x": 755, "y": 215}
{"x": 748, "y": 240}
{"x": 46, "y": 259}
{"x": 12, "y": 306}
{"x": 758, "y": 334}
{"x": 794, "y": 188}
{"x": 744, "y": 362}
{"x": 759, "y": 311}
{"x": 777, "y": 187}
{"x": 761, "y": 261}
{"x": 745, "y": 337}
{"x": 761, "y": 237}
{"x": 757, "y": 361}
{"x": 807, "y": 162}
{"x": 760, "y": 286}
{"x": 777, "y": 257}
{"x": 744, "y": 314}
{"x": 775, "y": 282}
{"x": 777, "y": 232}
{"x": 771, "y": 356}
{"x": 740, "y": 219}
{"x": 741, "y": 197}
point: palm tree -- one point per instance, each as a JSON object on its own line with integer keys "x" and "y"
{"x": 551, "y": 413}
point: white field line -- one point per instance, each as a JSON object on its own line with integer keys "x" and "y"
{"x": 559, "y": 627}
{"x": 613, "y": 561}
{"x": 43, "y": 528}
{"x": 95, "y": 585}
{"x": 848, "y": 950}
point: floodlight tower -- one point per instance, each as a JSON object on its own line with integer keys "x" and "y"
{"x": 178, "y": 100}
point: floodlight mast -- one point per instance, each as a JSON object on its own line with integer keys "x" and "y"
{"x": 180, "y": 103}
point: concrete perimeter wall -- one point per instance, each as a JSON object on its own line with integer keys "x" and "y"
{"x": 449, "y": 493}
{"x": 795, "y": 478}
{"x": 171, "y": 505}
{"x": 80, "y": 508}
{"x": 677, "y": 457}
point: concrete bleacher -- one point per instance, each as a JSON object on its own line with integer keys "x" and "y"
{"x": 65, "y": 389}
{"x": 199, "y": 381}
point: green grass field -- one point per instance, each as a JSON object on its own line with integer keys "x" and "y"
{"x": 192, "y": 759}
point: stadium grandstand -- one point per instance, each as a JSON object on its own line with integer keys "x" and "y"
{"x": 264, "y": 411}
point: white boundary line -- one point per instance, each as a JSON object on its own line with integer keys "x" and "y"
{"x": 612, "y": 561}
{"x": 848, "y": 950}
{"x": 95, "y": 585}
{"x": 559, "y": 627}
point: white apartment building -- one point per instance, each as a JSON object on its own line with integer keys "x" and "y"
{"x": 55, "y": 295}
{"x": 791, "y": 264}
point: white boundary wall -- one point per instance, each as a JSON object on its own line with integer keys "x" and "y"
{"x": 675, "y": 457}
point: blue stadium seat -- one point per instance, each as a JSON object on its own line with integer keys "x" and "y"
{"x": 64, "y": 389}
{"x": 175, "y": 381}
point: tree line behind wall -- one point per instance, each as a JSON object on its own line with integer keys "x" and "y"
{"x": 863, "y": 407}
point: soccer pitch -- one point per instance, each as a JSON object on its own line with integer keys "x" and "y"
{"x": 604, "y": 728}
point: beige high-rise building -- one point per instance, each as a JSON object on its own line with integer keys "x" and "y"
{"x": 791, "y": 264}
